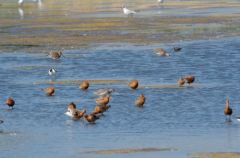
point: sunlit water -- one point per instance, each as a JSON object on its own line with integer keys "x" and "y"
{"x": 188, "y": 119}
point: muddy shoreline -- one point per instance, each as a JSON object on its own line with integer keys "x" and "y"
{"x": 40, "y": 32}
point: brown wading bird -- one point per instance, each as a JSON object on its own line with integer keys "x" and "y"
{"x": 99, "y": 109}
{"x": 133, "y": 84}
{"x": 91, "y": 118}
{"x": 10, "y": 102}
{"x": 161, "y": 52}
{"x": 180, "y": 81}
{"x": 103, "y": 100}
{"x": 189, "y": 78}
{"x": 49, "y": 91}
{"x": 55, "y": 54}
{"x": 73, "y": 112}
{"x": 104, "y": 91}
{"x": 227, "y": 110}
{"x": 140, "y": 100}
{"x": 84, "y": 85}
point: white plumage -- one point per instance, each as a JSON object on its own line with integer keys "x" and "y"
{"x": 51, "y": 71}
{"x": 128, "y": 12}
{"x": 160, "y": 1}
{"x": 20, "y": 2}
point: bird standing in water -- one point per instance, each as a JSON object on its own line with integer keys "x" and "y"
{"x": 49, "y": 91}
{"x": 180, "y": 81}
{"x": 161, "y": 52}
{"x": 126, "y": 11}
{"x": 84, "y": 85}
{"x": 227, "y": 110}
{"x": 51, "y": 72}
{"x": 133, "y": 84}
{"x": 189, "y": 78}
{"x": 10, "y": 102}
{"x": 55, "y": 54}
{"x": 140, "y": 100}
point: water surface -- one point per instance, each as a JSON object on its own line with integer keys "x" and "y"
{"x": 188, "y": 119}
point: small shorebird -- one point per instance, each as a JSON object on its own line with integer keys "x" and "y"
{"x": 161, "y": 52}
{"x": 160, "y": 1}
{"x": 73, "y": 112}
{"x": 10, "y": 102}
{"x": 103, "y": 100}
{"x": 189, "y": 78}
{"x": 180, "y": 81}
{"x": 227, "y": 110}
{"x": 140, "y": 100}
{"x": 49, "y": 91}
{"x": 177, "y": 49}
{"x": 133, "y": 84}
{"x": 99, "y": 109}
{"x": 104, "y": 91}
{"x": 55, "y": 54}
{"x": 84, "y": 85}
{"x": 20, "y": 2}
{"x": 91, "y": 118}
{"x": 51, "y": 72}
{"x": 1, "y": 121}
{"x": 126, "y": 11}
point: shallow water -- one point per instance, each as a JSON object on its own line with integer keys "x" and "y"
{"x": 188, "y": 119}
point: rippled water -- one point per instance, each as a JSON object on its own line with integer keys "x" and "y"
{"x": 189, "y": 119}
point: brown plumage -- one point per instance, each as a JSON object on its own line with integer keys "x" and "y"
{"x": 99, "y": 109}
{"x": 227, "y": 110}
{"x": 161, "y": 52}
{"x": 180, "y": 81}
{"x": 10, "y": 102}
{"x": 91, "y": 118}
{"x": 55, "y": 54}
{"x": 77, "y": 114}
{"x": 189, "y": 78}
{"x": 71, "y": 105}
{"x": 49, "y": 91}
{"x": 73, "y": 112}
{"x": 140, "y": 100}
{"x": 133, "y": 84}
{"x": 84, "y": 85}
{"x": 103, "y": 100}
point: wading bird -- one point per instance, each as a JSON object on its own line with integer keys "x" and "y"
{"x": 227, "y": 110}
{"x": 10, "y": 102}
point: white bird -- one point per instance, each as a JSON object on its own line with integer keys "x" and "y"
{"x": 160, "y": 1}
{"x": 21, "y": 13}
{"x": 128, "y": 12}
{"x": 51, "y": 71}
{"x": 20, "y": 2}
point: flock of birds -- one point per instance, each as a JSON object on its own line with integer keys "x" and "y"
{"x": 104, "y": 95}
{"x": 126, "y": 11}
